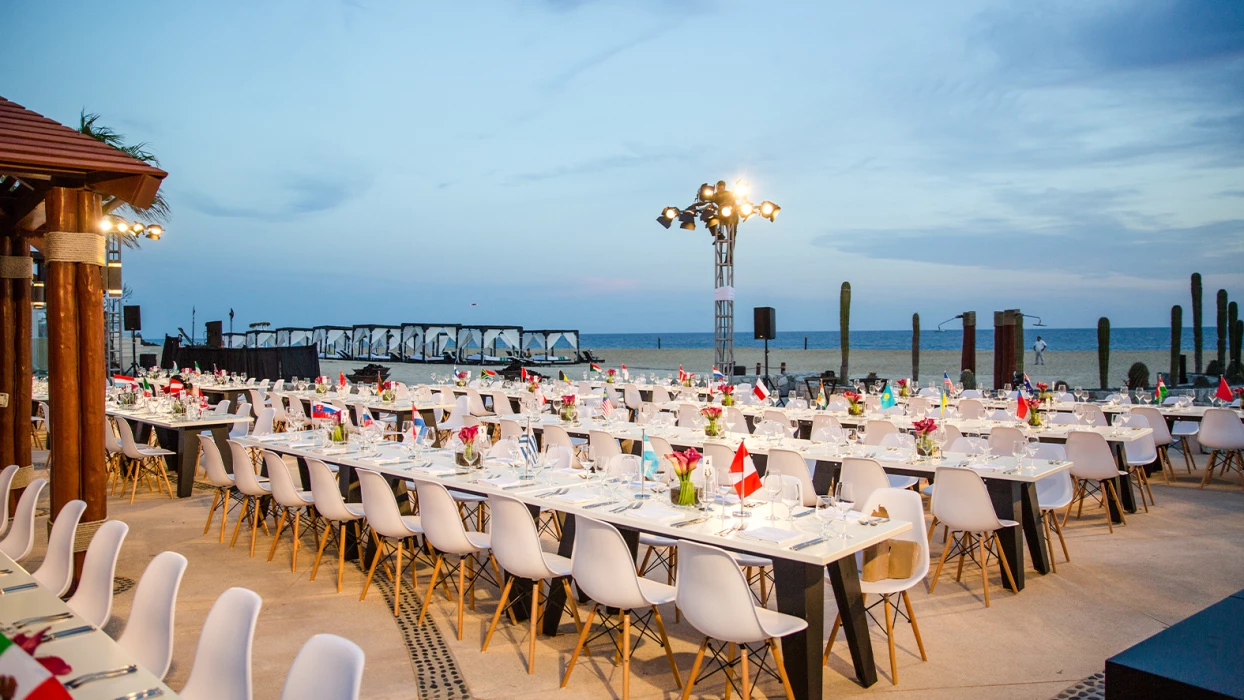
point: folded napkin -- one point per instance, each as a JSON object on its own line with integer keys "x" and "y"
{"x": 271, "y": 437}
{"x": 990, "y": 467}
{"x": 569, "y": 472}
{"x": 383, "y": 460}
{"x": 728, "y": 499}
{"x": 774, "y": 535}
{"x": 657, "y": 513}
{"x": 575, "y": 496}
{"x": 333, "y": 451}
{"x": 304, "y": 443}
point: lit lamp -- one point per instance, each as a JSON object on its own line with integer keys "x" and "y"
{"x": 112, "y": 279}
{"x": 720, "y": 208}
{"x": 38, "y": 298}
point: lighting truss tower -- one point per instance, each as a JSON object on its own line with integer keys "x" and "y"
{"x": 720, "y": 208}
{"x": 112, "y": 307}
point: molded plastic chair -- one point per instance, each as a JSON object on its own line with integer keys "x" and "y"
{"x": 444, "y": 530}
{"x": 1092, "y": 464}
{"x": 1003, "y": 440}
{"x": 501, "y": 405}
{"x": 327, "y": 667}
{"x": 144, "y": 460}
{"x": 1093, "y": 416}
{"x": 1222, "y": 432}
{"x": 971, "y": 409}
{"x": 1063, "y": 418}
{"x": 1054, "y": 493}
{"x": 864, "y": 475}
{"x": 971, "y": 394}
{"x": 1139, "y": 454}
{"x": 222, "y": 662}
{"x": 516, "y": 547}
{"x": 790, "y": 463}
{"x": 961, "y": 503}
{"x": 226, "y": 488}
{"x": 821, "y": 421}
{"x": 148, "y": 634}
{"x": 264, "y": 422}
{"x": 510, "y": 430}
{"x": 252, "y": 490}
{"x": 604, "y": 445}
{"x": 333, "y": 508}
{"x": 93, "y": 599}
{"x": 241, "y": 428}
{"x": 6, "y": 483}
{"x": 1162, "y": 438}
{"x": 56, "y": 571}
{"x": 735, "y": 421}
{"x": 716, "y": 599}
{"x": 462, "y": 409}
{"x": 902, "y": 505}
{"x": 21, "y": 538}
{"x": 876, "y": 430}
{"x": 390, "y": 529}
{"x": 604, "y": 571}
{"x": 778, "y": 416}
{"x": 287, "y": 497}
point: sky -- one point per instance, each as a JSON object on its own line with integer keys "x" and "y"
{"x": 503, "y": 162}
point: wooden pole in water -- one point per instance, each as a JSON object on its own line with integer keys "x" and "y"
{"x": 967, "y": 359}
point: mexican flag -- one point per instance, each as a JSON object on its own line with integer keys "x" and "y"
{"x": 1160, "y": 393}
{"x": 29, "y": 679}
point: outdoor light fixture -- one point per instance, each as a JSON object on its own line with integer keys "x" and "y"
{"x": 38, "y": 296}
{"x": 720, "y": 207}
{"x": 112, "y": 279}
{"x": 115, "y": 223}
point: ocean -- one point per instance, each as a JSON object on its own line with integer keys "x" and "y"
{"x": 1121, "y": 339}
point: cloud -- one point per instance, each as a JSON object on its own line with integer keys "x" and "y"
{"x": 635, "y": 158}
{"x": 291, "y": 197}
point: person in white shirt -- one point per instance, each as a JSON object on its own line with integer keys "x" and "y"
{"x": 1039, "y": 348}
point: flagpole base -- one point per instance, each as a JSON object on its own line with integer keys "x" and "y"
{"x": 642, "y": 496}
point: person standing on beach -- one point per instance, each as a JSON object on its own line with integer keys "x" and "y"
{"x": 1039, "y": 348}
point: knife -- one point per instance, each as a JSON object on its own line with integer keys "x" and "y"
{"x": 44, "y": 618}
{"x": 71, "y": 632}
{"x": 19, "y": 587}
{"x": 685, "y": 523}
{"x": 101, "y": 675}
{"x": 143, "y": 694}
{"x": 809, "y": 543}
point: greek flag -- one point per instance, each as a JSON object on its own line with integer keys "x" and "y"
{"x": 527, "y": 444}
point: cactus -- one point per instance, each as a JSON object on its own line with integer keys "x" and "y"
{"x": 1222, "y": 328}
{"x": 967, "y": 379}
{"x": 1177, "y": 331}
{"x": 1197, "y": 322}
{"x": 915, "y": 347}
{"x": 1103, "y": 349}
{"x": 844, "y": 326}
{"x": 1138, "y": 376}
{"x": 1235, "y": 370}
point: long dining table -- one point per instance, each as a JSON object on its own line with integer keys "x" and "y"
{"x": 180, "y": 435}
{"x": 799, "y": 568}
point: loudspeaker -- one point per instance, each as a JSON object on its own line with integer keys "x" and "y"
{"x": 215, "y": 334}
{"x": 133, "y": 318}
{"x": 765, "y": 323}
{"x": 147, "y": 359}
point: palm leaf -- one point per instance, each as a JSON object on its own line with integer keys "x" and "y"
{"x": 159, "y": 209}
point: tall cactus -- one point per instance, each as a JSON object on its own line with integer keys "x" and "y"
{"x": 844, "y": 325}
{"x": 1233, "y": 316}
{"x": 1177, "y": 330}
{"x": 1237, "y": 335}
{"x": 915, "y": 347}
{"x": 1103, "y": 349}
{"x": 1197, "y": 321}
{"x": 1222, "y": 329}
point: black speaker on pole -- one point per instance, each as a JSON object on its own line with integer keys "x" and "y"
{"x": 133, "y": 318}
{"x": 765, "y": 323}
{"x": 215, "y": 331}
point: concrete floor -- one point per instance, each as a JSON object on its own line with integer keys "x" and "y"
{"x": 1184, "y": 555}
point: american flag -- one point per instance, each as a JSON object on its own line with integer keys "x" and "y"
{"x": 606, "y": 406}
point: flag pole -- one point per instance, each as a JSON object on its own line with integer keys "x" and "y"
{"x": 643, "y": 464}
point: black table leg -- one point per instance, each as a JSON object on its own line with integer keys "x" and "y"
{"x": 1005, "y": 495}
{"x": 346, "y": 479}
{"x": 187, "y": 462}
{"x": 1038, "y": 548}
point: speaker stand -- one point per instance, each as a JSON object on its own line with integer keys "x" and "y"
{"x": 768, "y": 381}
{"x": 133, "y": 368}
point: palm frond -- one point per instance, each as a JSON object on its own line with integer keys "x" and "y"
{"x": 159, "y": 211}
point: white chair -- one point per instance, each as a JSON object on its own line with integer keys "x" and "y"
{"x": 631, "y": 396}
{"x": 222, "y": 408}
{"x": 961, "y": 503}
{"x": 790, "y": 463}
{"x": 516, "y": 547}
{"x": 969, "y": 446}
{"x": 1054, "y": 493}
{"x": 971, "y": 394}
{"x": 21, "y": 538}
{"x": 143, "y": 461}
{"x": 902, "y": 441}
{"x": 6, "y": 484}
{"x": 1162, "y": 439}
{"x": 716, "y": 599}
{"x": 1095, "y": 471}
{"x": 1093, "y": 416}
{"x": 660, "y": 395}
{"x": 327, "y": 667}
{"x": 821, "y": 421}
{"x": 55, "y": 573}
{"x": 604, "y": 571}
{"x": 444, "y": 530}
{"x": 688, "y": 416}
{"x": 1138, "y": 454}
{"x": 390, "y": 530}
{"x": 510, "y": 430}
{"x": 501, "y": 405}
{"x": 971, "y": 409}
{"x": 774, "y": 415}
{"x": 222, "y": 662}
{"x": 475, "y": 403}
{"x": 864, "y": 475}
{"x": 604, "y": 445}
{"x": 264, "y": 423}
{"x": 902, "y": 505}
{"x": 1063, "y": 418}
{"x": 241, "y": 428}
{"x": 919, "y": 405}
{"x": 332, "y": 508}
{"x": 223, "y": 481}
{"x": 148, "y": 634}
{"x": 456, "y": 419}
{"x": 1222, "y": 432}
{"x": 735, "y": 421}
{"x": 93, "y": 599}
{"x": 1003, "y": 439}
{"x": 252, "y": 490}
{"x": 876, "y": 430}
{"x": 40, "y": 421}
{"x": 114, "y": 457}
{"x": 277, "y": 404}
{"x": 287, "y": 496}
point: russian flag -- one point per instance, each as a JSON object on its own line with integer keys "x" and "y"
{"x": 324, "y": 410}
{"x": 717, "y": 375}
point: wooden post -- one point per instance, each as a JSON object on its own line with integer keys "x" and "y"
{"x": 21, "y": 396}
{"x": 63, "y": 376}
{"x": 1003, "y": 347}
{"x": 92, "y": 373}
{"x": 968, "y": 358}
{"x": 8, "y": 364}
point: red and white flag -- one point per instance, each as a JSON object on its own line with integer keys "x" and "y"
{"x": 1224, "y": 390}
{"x": 523, "y": 374}
{"x": 743, "y": 473}
{"x": 174, "y": 387}
{"x": 1021, "y": 411}
{"x": 626, "y": 374}
{"x": 606, "y": 406}
{"x": 682, "y": 376}
{"x": 761, "y": 391}
{"x": 119, "y": 379}
{"x": 341, "y": 380}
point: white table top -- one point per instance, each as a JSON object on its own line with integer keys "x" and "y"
{"x": 166, "y": 420}
{"x": 90, "y": 652}
{"x": 441, "y": 469}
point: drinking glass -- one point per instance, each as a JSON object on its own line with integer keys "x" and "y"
{"x": 792, "y": 495}
{"x": 773, "y": 487}
{"x": 845, "y": 499}
{"x": 587, "y": 457}
{"x": 709, "y": 476}
{"x": 826, "y": 509}
{"x": 1018, "y": 450}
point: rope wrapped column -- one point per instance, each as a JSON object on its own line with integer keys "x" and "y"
{"x": 8, "y": 353}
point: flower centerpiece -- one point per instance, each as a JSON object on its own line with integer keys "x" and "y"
{"x": 713, "y": 428}
{"x": 337, "y": 433}
{"x": 469, "y": 456}
{"x": 178, "y": 407}
{"x": 611, "y": 376}
{"x": 388, "y": 392}
{"x": 1030, "y": 406}
{"x": 460, "y": 378}
{"x": 924, "y": 437}
{"x": 903, "y": 389}
{"x": 855, "y": 403}
{"x": 128, "y": 396}
{"x": 684, "y": 463}
{"x": 688, "y": 379}
{"x": 321, "y": 385}
{"x": 1043, "y": 392}
{"x": 569, "y": 412}
{"x": 533, "y": 384}
{"x": 727, "y": 394}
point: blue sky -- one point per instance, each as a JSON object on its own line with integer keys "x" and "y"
{"x": 385, "y": 162}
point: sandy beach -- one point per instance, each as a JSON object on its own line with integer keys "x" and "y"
{"x": 1077, "y": 368}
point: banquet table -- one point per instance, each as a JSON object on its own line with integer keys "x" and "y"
{"x": 180, "y": 435}
{"x": 799, "y": 574}
{"x": 1012, "y": 487}
{"x": 86, "y": 653}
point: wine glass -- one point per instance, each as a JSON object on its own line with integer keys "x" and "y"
{"x": 792, "y": 495}
{"x": 587, "y": 457}
{"x": 826, "y": 509}
{"x": 709, "y": 475}
{"x": 845, "y": 502}
{"x": 773, "y": 487}
{"x": 1018, "y": 450}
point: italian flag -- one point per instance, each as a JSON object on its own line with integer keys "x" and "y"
{"x": 1160, "y": 393}
{"x": 30, "y": 680}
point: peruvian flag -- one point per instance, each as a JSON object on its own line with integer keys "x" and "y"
{"x": 761, "y": 391}
{"x": 341, "y": 379}
{"x": 1224, "y": 390}
{"x": 743, "y": 473}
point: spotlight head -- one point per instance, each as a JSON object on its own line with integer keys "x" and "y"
{"x": 740, "y": 189}
{"x": 154, "y": 232}
{"x": 664, "y": 221}
{"x": 706, "y": 192}
{"x": 671, "y": 213}
{"x": 746, "y": 209}
{"x": 688, "y": 220}
{"x": 105, "y": 225}
{"x": 137, "y": 227}
{"x": 727, "y": 211}
{"x": 768, "y": 209}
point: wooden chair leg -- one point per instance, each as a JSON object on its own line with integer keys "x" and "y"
{"x": 319, "y": 547}
{"x": 665, "y": 641}
{"x": 293, "y": 563}
{"x": 940, "y": 563}
{"x": 695, "y": 670}
{"x": 1059, "y": 530}
{"x": 889, "y": 633}
{"x": 427, "y": 598}
{"x": 341, "y": 555}
{"x": 535, "y": 621}
{"x": 587, "y": 627}
{"x": 212, "y": 512}
{"x": 1006, "y": 566}
{"x": 1114, "y": 494}
{"x": 984, "y": 569}
{"x": 1209, "y": 470}
{"x": 829, "y": 643}
{"x": 224, "y": 514}
{"x": 246, "y": 505}
{"x": 1049, "y": 543}
{"x": 911, "y": 615}
{"x": 744, "y": 673}
{"x": 397, "y": 580}
{"x": 496, "y": 616}
{"x": 731, "y": 650}
{"x": 966, "y": 543}
{"x": 462, "y": 567}
{"x": 371, "y": 570}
